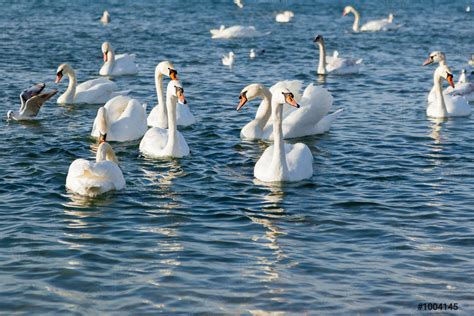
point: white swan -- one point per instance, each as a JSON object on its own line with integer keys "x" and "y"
{"x": 158, "y": 116}
{"x": 371, "y": 26}
{"x": 236, "y": 31}
{"x": 124, "y": 117}
{"x": 252, "y": 54}
{"x": 94, "y": 91}
{"x": 311, "y": 119}
{"x": 93, "y": 178}
{"x": 280, "y": 161}
{"x": 228, "y": 60}
{"x": 159, "y": 142}
{"x": 335, "y": 64}
{"x": 31, "y": 101}
{"x": 444, "y": 105}
{"x": 239, "y": 3}
{"x": 284, "y": 17}
{"x": 105, "y": 18}
{"x": 117, "y": 65}
{"x": 463, "y": 87}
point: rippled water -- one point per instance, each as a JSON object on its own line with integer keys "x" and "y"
{"x": 385, "y": 223}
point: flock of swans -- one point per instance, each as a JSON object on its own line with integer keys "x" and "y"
{"x": 284, "y": 112}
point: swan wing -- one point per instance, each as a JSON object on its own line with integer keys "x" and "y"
{"x": 125, "y": 65}
{"x": 89, "y": 84}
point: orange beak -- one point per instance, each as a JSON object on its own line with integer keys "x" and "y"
{"x": 59, "y": 76}
{"x": 292, "y": 102}
{"x": 243, "y": 100}
{"x": 428, "y": 61}
{"x": 173, "y": 74}
{"x": 450, "y": 80}
{"x": 344, "y": 13}
{"x": 105, "y": 56}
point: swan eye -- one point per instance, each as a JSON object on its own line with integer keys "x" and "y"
{"x": 59, "y": 73}
{"x": 243, "y": 95}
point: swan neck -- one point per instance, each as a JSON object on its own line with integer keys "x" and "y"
{"x": 279, "y": 157}
{"x": 355, "y": 26}
{"x": 439, "y": 94}
{"x": 160, "y": 94}
{"x": 263, "y": 117}
{"x": 71, "y": 88}
{"x": 172, "y": 126}
{"x": 322, "y": 59}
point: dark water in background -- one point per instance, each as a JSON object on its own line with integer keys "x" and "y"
{"x": 385, "y": 223}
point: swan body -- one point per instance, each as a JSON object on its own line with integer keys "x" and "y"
{"x": 125, "y": 119}
{"x": 105, "y": 18}
{"x": 371, "y": 26}
{"x": 283, "y": 162}
{"x": 94, "y": 178}
{"x": 284, "y": 17}
{"x": 252, "y": 53}
{"x": 228, "y": 60}
{"x": 236, "y": 31}
{"x": 158, "y": 116}
{"x": 94, "y": 91}
{"x": 31, "y": 101}
{"x": 239, "y": 3}
{"x": 159, "y": 142}
{"x": 335, "y": 64}
{"x": 463, "y": 88}
{"x": 117, "y": 65}
{"x": 311, "y": 119}
{"x": 442, "y": 105}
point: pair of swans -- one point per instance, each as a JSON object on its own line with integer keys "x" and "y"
{"x": 89, "y": 178}
{"x": 280, "y": 162}
{"x": 442, "y": 105}
{"x": 117, "y": 65}
{"x": 158, "y": 116}
{"x": 236, "y": 31}
{"x": 159, "y": 142}
{"x": 371, "y": 26}
{"x": 335, "y": 64}
{"x": 312, "y": 118}
{"x": 32, "y": 99}
{"x": 94, "y": 91}
{"x": 123, "y": 118}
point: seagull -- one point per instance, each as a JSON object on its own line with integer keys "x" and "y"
{"x": 31, "y": 101}
{"x": 228, "y": 60}
{"x": 105, "y": 19}
{"x": 239, "y": 3}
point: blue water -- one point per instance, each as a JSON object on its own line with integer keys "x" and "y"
{"x": 385, "y": 223}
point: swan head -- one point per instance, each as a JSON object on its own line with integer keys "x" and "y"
{"x": 10, "y": 115}
{"x": 63, "y": 69}
{"x": 318, "y": 39}
{"x": 102, "y": 124}
{"x": 106, "y": 48}
{"x": 176, "y": 90}
{"x": 249, "y": 93}
{"x": 435, "y": 57}
{"x": 282, "y": 96}
{"x": 348, "y": 9}
{"x": 390, "y": 18}
{"x": 166, "y": 68}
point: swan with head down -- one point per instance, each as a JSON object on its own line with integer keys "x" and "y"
{"x": 441, "y": 105}
{"x": 159, "y": 142}
{"x": 311, "y": 119}
{"x": 158, "y": 116}
{"x": 94, "y": 91}
{"x": 282, "y": 162}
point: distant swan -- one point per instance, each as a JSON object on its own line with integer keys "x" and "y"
{"x": 117, "y": 65}
{"x": 236, "y": 31}
{"x": 442, "y": 105}
{"x": 158, "y": 116}
{"x": 463, "y": 87}
{"x": 105, "y": 18}
{"x": 228, "y": 60}
{"x": 335, "y": 64}
{"x": 124, "y": 117}
{"x": 283, "y": 162}
{"x": 312, "y": 118}
{"x": 94, "y": 91}
{"x": 31, "y": 101}
{"x": 94, "y": 178}
{"x": 159, "y": 142}
{"x": 371, "y": 26}
{"x": 284, "y": 17}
